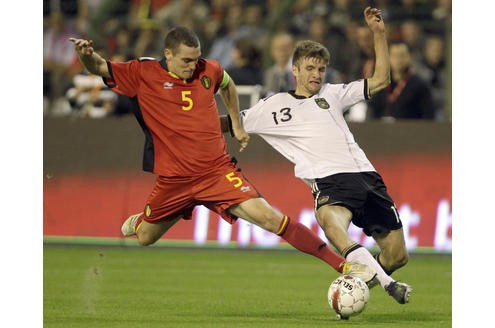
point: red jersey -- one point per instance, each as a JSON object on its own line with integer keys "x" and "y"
{"x": 179, "y": 117}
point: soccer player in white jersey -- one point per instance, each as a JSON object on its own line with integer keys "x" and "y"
{"x": 307, "y": 126}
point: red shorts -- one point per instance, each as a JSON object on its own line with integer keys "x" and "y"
{"x": 217, "y": 190}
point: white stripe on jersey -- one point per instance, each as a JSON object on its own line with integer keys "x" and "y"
{"x": 311, "y": 132}
{"x": 316, "y": 191}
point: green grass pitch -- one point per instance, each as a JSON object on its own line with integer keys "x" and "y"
{"x": 93, "y": 286}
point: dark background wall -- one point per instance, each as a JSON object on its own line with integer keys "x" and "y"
{"x": 85, "y": 145}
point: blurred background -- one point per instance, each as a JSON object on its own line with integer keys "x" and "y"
{"x": 92, "y": 146}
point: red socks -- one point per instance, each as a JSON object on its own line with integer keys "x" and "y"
{"x": 305, "y": 240}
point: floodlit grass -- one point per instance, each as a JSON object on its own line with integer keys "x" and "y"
{"x": 167, "y": 287}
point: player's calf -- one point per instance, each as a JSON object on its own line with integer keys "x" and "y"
{"x": 132, "y": 226}
{"x": 393, "y": 262}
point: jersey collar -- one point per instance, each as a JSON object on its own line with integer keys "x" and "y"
{"x": 163, "y": 64}
{"x": 293, "y": 94}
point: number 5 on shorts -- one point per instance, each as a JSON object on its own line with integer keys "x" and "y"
{"x": 232, "y": 178}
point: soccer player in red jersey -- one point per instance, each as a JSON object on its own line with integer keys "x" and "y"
{"x": 175, "y": 106}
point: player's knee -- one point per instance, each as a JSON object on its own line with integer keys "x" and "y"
{"x": 393, "y": 260}
{"x": 270, "y": 220}
{"x": 274, "y": 223}
{"x": 400, "y": 258}
{"x": 146, "y": 240}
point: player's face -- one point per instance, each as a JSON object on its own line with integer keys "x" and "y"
{"x": 182, "y": 62}
{"x": 310, "y": 75}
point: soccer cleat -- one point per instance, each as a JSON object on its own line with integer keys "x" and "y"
{"x": 399, "y": 291}
{"x": 128, "y": 227}
{"x": 359, "y": 270}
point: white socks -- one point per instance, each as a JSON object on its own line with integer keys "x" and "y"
{"x": 361, "y": 255}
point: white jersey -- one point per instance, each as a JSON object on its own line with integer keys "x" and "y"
{"x": 311, "y": 132}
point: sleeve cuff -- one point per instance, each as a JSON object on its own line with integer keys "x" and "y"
{"x": 366, "y": 91}
{"x": 231, "y": 132}
{"x": 109, "y": 82}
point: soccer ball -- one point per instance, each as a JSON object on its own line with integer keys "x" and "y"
{"x": 348, "y": 296}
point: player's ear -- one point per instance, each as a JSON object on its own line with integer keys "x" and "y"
{"x": 167, "y": 53}
{"x": 295, "y": 70}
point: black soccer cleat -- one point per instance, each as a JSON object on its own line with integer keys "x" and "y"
{"x": 399, "y": 291}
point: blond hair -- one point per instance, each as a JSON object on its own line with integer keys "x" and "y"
{"x": 310, "y": 49}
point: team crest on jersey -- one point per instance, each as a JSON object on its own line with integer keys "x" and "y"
{"x": 322, "y": 103}
{"x": 245, "y": 188}
{"x": 322, "y": 200}
{"x": 168, "y": 85}
{"x": 206, "y": 82}
{"x": 147, "y": 210}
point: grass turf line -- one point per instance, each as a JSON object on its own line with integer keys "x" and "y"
{"x": 98, "y": 286}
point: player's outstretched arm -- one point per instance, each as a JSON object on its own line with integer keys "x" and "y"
{"x": 91, "y": 61}
{"x": 229, "y": 96}
{"x": 381, "y": 77}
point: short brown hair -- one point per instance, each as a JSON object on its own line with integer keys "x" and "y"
{"x": 181, "y": 35}
{"x": 310, "y": 49}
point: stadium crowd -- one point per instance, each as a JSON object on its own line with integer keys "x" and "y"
{"x": 253, "y": 41}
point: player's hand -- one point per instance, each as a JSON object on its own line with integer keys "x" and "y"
{"x": 83, "y": 47}
{"x": 242, "y": 137}
{"x": 373, "y": 17}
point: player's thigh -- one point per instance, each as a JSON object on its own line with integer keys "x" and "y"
{"x": 258, "y": 211}
{"x": 332, "y": 216}
{"x": 168, "y": 200}
{"x": 224, "y": 189}
{"x": 335, "y": 220}
{"x": 334, "y": 196}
